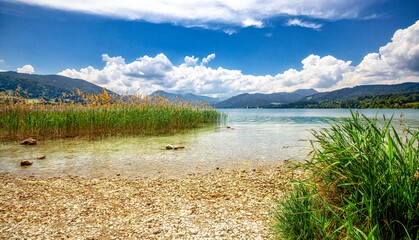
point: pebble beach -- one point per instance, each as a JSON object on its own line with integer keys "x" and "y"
{"x": 233, "y": 204}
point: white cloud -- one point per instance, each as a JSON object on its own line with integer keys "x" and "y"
{"x": 300, "y": 23}
{"x": 319, "y": 73}
{"x": 26, "y": 69}
{"x": 208, "y": 59}
{"x": 218, "y": 14}
{"x": 191, "y": 61}
{"x": 395, "y": 62}
{"x": 230, "y": 31}
{"x": 250, "y": 22}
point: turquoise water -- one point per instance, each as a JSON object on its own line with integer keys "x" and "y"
{"x": 256, "y": 137}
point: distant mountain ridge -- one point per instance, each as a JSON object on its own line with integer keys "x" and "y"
{"x": 51, "y": 85}
{"x": 262, "y": 100}
{"x": 363, "y": 91}
{"x": 310, "y": 97}
{"x": 189, "y": 97}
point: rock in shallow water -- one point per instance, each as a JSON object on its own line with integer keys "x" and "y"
{"x": 28, "y": 141}
{"x": 26, "y": 163}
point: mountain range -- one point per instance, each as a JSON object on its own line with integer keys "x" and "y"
{"x": 260, "y": 100}
{"x": 362, "y": 91}
{"x": 53, "y": 86}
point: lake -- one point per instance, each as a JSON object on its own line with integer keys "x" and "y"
{"x": 256, "y": 138}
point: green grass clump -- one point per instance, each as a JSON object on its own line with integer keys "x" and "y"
{"x": 98, "y": 115}
{"x": 364, "y": 185}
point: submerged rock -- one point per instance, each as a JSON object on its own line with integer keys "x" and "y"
{"x": 26, "y": 163}
{"x": 41, "y": 157}
{"x": 28, "y": 141}
{"x": 171, "y": 147}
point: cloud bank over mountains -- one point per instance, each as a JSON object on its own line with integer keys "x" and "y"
{"x": 214, "y": 14}
{"x": 396, "y": 62}
{"x": 26, "y": 69}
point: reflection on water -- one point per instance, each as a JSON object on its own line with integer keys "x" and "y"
{"x": 257, "y": 137}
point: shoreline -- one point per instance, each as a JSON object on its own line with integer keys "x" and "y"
{"x": 218, "y": 205}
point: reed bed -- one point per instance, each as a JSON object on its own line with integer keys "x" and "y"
{"x": 364, "y": 185}
{"x": 79, "y": 114}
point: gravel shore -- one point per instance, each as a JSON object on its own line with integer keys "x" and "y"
{"x": 218, "y": 205}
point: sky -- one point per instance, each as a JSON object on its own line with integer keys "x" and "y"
{"x": 211, "y": 47}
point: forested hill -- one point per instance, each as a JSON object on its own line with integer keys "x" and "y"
{"x": 261, "y": 100}
{"x": 51, "y": 85}
{"x": 363, "y": 91}
{"x": 394, "y": 100}
{"x": 404, "y": 95}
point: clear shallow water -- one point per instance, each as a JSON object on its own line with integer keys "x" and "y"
{"x": 257, "y": 137}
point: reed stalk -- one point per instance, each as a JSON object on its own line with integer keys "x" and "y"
{"x": 364, "y": 185}
{"x": 79, "y": 114}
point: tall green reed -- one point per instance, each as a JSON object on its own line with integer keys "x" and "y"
{"x": 364, "y": 185}
{"x": 101, "y": 115}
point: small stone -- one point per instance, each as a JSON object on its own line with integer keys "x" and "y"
{"x": 41, "y": 157}
{"x": 179, "y": 148}
{"x": 169, "y": 147}
{"x": 28, "y": 141}
{"x": 118, "y": 174}
{"x": 228, "y": 127}
{"x": 26, "y": 163}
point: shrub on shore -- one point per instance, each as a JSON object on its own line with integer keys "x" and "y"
{"x": 364, "y": 185}
{"x": 101, "y": 114}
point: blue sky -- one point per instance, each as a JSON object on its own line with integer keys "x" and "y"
{"x": 248, "y": 46}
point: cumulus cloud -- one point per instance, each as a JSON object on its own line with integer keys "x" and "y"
{"x": 251, "y": 22}
{"x": 208, "y": 59}
{"x": 26, "y": 69}
{"x": 395, "y": 62}
{"x": 213, "y": 13}
{"x": 320, "y": 73}
{"x": 157, "y": 73}
{"x": 191, "y": 61}
{"x": 300, "y": 23}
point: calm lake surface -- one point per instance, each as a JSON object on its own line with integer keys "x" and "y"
{"x": 257, "y": 137}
